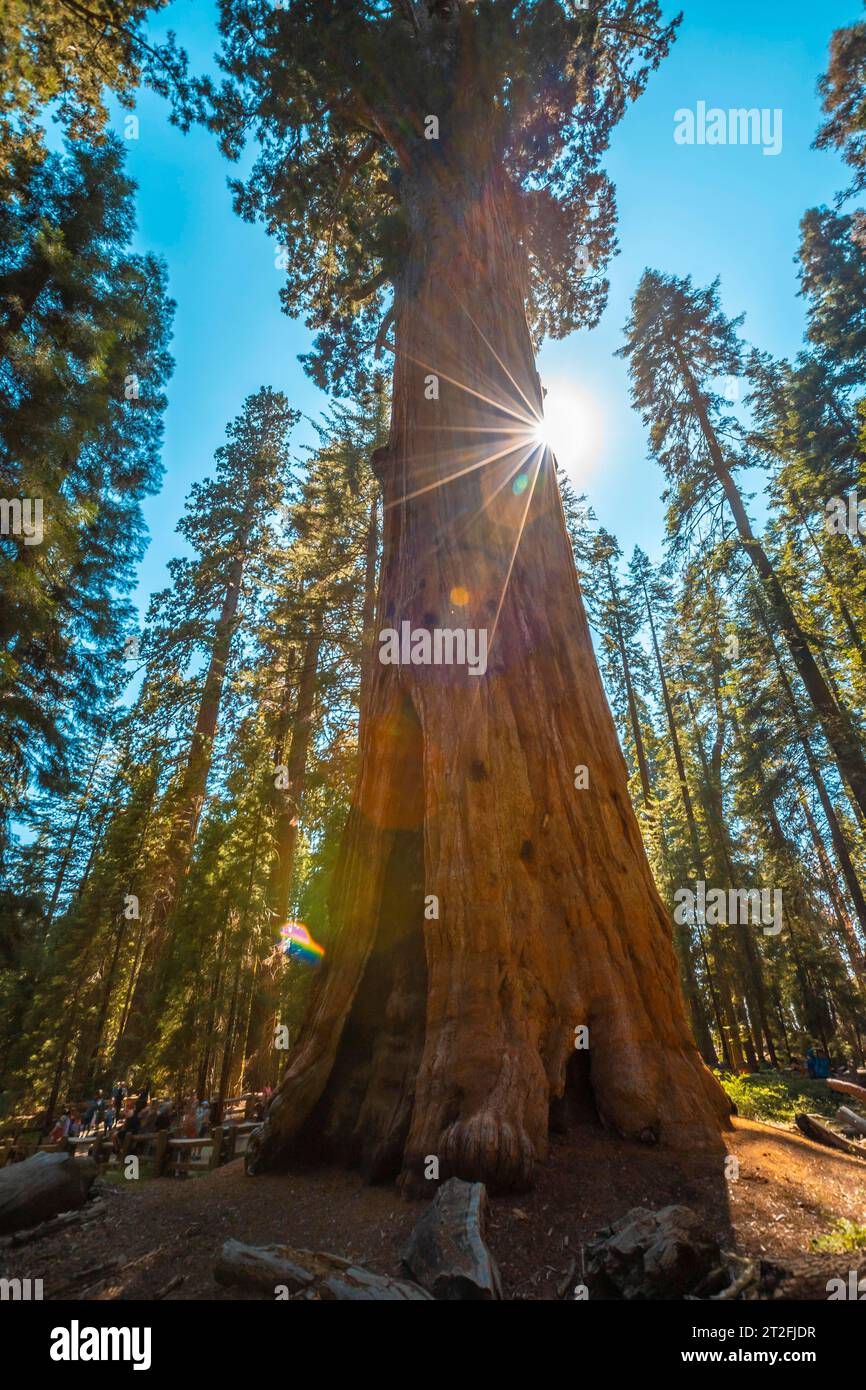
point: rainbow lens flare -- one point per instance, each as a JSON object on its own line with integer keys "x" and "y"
{"x": 297, "y": 944}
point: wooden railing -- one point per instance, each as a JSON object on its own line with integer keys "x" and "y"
{"x": 158, "y": 1151}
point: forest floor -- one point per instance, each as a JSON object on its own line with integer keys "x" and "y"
{"x": 789, "y": 1193}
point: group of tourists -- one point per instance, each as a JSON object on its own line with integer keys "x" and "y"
{"x": 123, "y": 1111}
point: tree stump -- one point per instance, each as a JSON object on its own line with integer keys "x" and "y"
{"x": 651, "y": 1254}
{"x": 447, "y": 1253}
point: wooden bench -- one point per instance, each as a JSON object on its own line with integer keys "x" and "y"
{"x": 185, "y": 1155}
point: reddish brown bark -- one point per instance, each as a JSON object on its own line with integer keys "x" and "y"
{"x": 453, "y": 1037}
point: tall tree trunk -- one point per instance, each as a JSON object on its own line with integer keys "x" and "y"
{"x": 835, "y": 720}
{"x": 833, "y": 584}
{"x": 260, "y": 1041}
{"x": 637, "y": 734}
{"x": 184, "y": 804}
{"x": 815, "y": 1011}
{"x": 837, "y": 835}
{"x": 747, "y": 959}
{"x": 720, "y": 991}
{"x": 62, "y": 867}
{"x": 451, "y": 1035}
{"x": 285, "y": 832}
{"x": 848, "y": 934}
{"x": 216, "y": 983}
{"x": 228, "y": 1047}
{"x": 108, "y": 983}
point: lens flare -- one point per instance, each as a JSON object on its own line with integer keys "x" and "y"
{"x": 571, "y": 428}
{"x": 297, "y": 944}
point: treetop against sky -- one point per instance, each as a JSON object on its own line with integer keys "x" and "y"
{"x": 705, "y": 209}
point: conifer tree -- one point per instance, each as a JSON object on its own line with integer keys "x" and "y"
{"x": 227, "y": 523}
{"x": 677, "y": 342}
{"x": 84, "y": 328}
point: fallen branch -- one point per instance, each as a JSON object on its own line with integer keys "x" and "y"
{"x": 748, "y": 1276}
{"x": 844, "y": 1116}
{"x": 85, "y": 1279}
{"x": 147, "y": 1255}
{"x": 813, "y": 1129}
{"x": 167, "y": 1288}
{"x": 848, "y": 1088}
{"x": 58, "y": 1223}
{"x": 308, "y": 1273}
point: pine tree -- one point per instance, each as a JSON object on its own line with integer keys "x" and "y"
{"x": 677, "y": 341}
{"x": 843, "y": 88}
{"x": 227, "y": 523}
{"x": 63, "y": 55}
{"x": 84, "y": 327}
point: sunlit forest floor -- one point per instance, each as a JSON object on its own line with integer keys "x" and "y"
{"x": 790, "y": 1194}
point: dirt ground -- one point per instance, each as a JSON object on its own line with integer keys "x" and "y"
{"x": 788, "y": 1191}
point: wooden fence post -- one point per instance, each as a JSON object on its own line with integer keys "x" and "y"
{"x": 161, "y": 1151}
{"x": 216, "y": 1152}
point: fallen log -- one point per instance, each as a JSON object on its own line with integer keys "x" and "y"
{"x": 814, "y": 1129}
{"x": 308, "y": 1273}
{"x": 848, "y": 1088}
{"x": 42, "y": 1187}
{"x": 446, "y": 1252}
{"x": 847, "y": 1117}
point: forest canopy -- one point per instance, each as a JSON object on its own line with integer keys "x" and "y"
{"x": 241, "y": 851}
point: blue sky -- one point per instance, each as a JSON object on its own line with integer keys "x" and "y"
{"x": 703, "y": 210}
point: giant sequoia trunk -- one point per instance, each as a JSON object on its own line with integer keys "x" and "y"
{"x": 451, "y": 1036}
